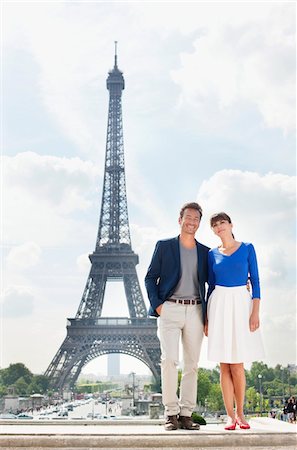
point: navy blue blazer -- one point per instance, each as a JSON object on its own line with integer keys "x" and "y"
{"x": 164, "y": 273}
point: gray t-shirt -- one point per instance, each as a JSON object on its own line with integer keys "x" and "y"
{"x": 187, "y": 287}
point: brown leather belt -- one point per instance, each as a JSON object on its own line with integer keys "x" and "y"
{"x": 183, "y": 301}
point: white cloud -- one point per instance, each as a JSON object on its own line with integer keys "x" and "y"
{"x": 237, "y": 65}
{"x": 223, "y": 57}
{"x": 68, "y": 42}
{"x": 43, "y": 193}
{"x": 17, "y": 301}
{"x": 262, "y": 206}
{"x": 187, "y": 17}
{"x": 24, "y": 256}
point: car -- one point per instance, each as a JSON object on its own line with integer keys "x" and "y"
{"x": 7, "y": 416}
{"x": 24, "y": 416}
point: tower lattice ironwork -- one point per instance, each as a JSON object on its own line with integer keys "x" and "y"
{"x": 88, "y": 334}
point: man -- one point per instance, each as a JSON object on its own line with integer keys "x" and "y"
{"x": 175, "y": 284}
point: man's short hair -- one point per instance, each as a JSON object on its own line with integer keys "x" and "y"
{"x": 192, "y": 205}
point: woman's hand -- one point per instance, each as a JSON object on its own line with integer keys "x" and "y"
{"x": 254, "y": 317}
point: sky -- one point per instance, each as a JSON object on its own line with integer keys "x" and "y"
{"x": 208, "y": 115}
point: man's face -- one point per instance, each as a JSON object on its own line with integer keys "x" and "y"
{"x": 190, "y": 221}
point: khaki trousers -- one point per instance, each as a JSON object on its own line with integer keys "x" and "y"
{"x": 180, "y": 322}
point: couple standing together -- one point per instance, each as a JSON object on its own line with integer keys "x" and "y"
{"x": 227, "y": 314}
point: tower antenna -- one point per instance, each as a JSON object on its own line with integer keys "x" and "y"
{"x": 115, "y": 54}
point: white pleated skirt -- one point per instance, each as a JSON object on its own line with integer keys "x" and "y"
{"x": 229, "y": 337}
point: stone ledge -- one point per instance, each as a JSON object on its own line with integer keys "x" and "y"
{"x": 80, "y": 422}
{"x": 174, "y": 440}
{"x": 264, "y": 434}
{"x": 225, "y": 441}
{"x": 154, "y": 448}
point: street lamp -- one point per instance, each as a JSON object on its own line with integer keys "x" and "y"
{"x": 260, "y": 383}
{"x": 133, "y": 391}
{"x": 282, "y": 370}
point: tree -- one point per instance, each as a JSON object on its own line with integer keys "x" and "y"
{"x": 38, "y": 385}
{"x": 215, "y": 375}
{"x": 258, "y": 367}
{"x": 21, "y": 386}
{"x": 3, "y": 390}
{"x": 215, "y": 400}
{"x": 251, "y": 399}
{"x": 204, "y": 385}
{"x": 15, "y": 371}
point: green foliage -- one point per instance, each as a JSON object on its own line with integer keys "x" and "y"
{"x": 23, "y": 381}
{"x": 21, "y": 386}
{"x": 260, "y": 368}
{"x": 155, "y": 386}
{"x": 198, "y": 419}
{"x": 3, "y": 390}
{"x": 39, "y": 384}
{"x": 88, "y": 387}
{"x": 215, "y": 399}
{"x": 179, "y": 377}
{"x": 251, "y": 398}
{"x": 15, "y": 371}
{"x": 215, "y": 375}
{"x": 275, "y": 384}
{"x": 204, "y": 384}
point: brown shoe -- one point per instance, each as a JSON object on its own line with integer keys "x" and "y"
{"x": 186, "y": 423}
{"x": 171, "y": 423}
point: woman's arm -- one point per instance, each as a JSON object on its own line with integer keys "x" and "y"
{"x": 253, "y": 271}
{"x": 255, "y": 282}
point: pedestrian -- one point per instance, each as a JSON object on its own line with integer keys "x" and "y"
{"x": 291, "y": 410}
{"x": 233, "y": 316}
{"x": 294, "y": 408}
{"x": 175, "y": 283}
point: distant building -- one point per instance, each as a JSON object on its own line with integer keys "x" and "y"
{"x": 113, "y": 365}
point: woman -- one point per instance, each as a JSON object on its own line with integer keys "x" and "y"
{"x": 233, "y": 316}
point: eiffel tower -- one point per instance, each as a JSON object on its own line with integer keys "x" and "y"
{"x": 89, "y": 335}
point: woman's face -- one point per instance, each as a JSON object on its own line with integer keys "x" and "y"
{"x": 222, "y": 228}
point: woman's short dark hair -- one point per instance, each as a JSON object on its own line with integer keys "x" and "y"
{"x": 219, "y": 216}
{"x": 192, "y": 205}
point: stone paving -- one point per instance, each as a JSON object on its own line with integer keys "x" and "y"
{"x": 265, "y": 433}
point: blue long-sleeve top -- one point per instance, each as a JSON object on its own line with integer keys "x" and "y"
{"x": 234, "y": 270}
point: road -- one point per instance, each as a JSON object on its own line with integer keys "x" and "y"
{"x": 84, "y": 409}
{"x": 92, "y": 408}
